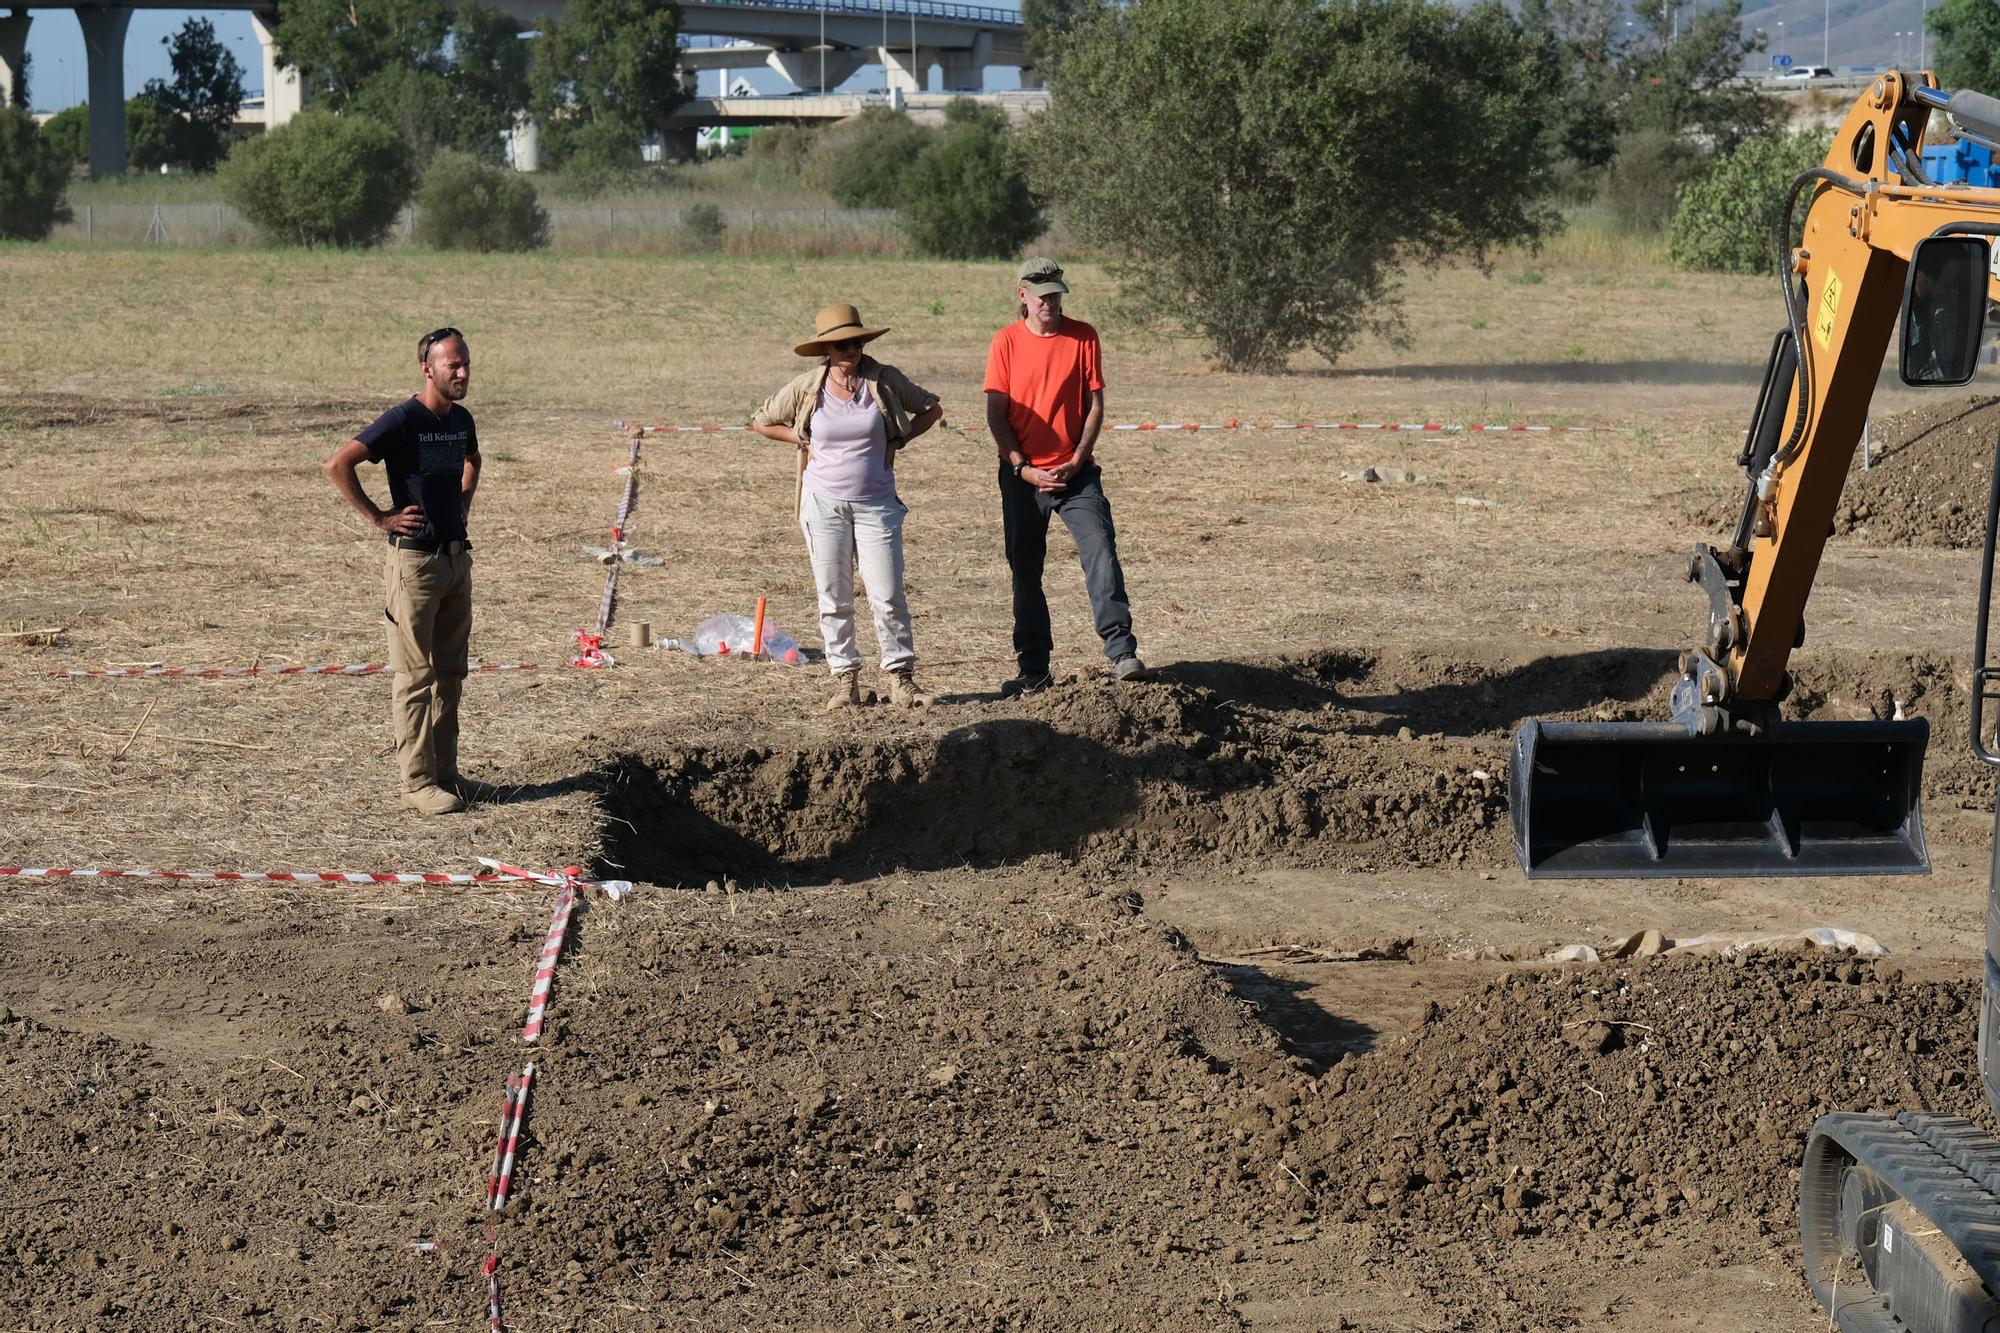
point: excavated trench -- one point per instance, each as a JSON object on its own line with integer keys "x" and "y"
{"x": 1345, "y": 759}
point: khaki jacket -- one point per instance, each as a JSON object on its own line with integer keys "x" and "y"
{"x": 896, "y": 397}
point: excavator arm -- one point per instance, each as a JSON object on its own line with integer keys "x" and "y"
{"x": 1726, "y": 786}
{"x": 1852, "y": 272}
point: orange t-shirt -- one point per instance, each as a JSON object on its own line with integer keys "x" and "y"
{"x": 1048, "y": 383}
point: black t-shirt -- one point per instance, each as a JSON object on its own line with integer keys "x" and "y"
{"x": 425, "y": 455}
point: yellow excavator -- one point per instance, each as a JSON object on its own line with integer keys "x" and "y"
{"x": 1899, "y": 1215}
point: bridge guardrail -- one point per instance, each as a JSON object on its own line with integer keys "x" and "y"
{"x": 937, "y": 9}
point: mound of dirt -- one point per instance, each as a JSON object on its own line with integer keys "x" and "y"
{"x": 984, "y": 1122}
{"x": 985, "y": 1101}
{"x": 1929, "y": 478}
{"x": 1927, "y": 482}
{"x": 1353, "y": 760}
{"x": 1350, "y": 758}
{"x": 1572, "y": 1102}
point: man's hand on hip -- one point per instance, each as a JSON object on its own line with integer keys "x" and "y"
{"x": 404, "y": 522}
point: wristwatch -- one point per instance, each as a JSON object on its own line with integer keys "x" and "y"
{"x": 1019, "y": 468}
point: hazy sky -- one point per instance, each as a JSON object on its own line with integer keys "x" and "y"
{"x": 57, "y": 78}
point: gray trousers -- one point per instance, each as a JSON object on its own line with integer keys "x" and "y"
{"x": 839, "y": 535}
{"x": 1025, "y": 511}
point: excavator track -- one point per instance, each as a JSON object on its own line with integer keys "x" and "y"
{"x": 1900, "y": 1221}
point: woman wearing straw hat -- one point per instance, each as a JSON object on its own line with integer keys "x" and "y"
{"x": 848, "y": 416}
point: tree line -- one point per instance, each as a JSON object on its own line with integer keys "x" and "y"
{"x": 1260, "y": 173}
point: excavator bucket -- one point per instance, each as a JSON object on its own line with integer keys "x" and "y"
{"x": 1635, "y": 800}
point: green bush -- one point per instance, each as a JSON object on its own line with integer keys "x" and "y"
{"x": 785, "y": 147}
{"x": 1726, "y": 219}
{"x": 321, "y": 179}
{"x": 870, "y": 156}
{"x": 704, "y": 226}
{"x": 34, "y": 173}
{"x": 151, "y": 134}
{"x": 466, "y": 204}
{"x": 967, "y": 197}
{"x": 69, "y": 131}
{"x": 1639, "y": 185}
{"x": 593, "y": 156}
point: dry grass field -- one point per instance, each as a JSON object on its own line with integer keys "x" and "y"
{"x": 743, "y": 1123}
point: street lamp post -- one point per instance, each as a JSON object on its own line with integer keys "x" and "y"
{"x": 1826, "y": 35}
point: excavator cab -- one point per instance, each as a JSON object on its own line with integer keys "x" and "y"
{"x": 1727, "y": 786}
{"x": 1944, "y": 311}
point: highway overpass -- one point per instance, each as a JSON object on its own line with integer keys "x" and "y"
{"x": 816, "y": 44}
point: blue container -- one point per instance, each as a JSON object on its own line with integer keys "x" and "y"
{"x": 1959, "y": 163}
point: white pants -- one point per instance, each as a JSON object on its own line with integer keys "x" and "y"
{"x": 839, "y": 535}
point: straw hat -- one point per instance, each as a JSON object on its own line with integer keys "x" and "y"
{"x": 836, "y": 324}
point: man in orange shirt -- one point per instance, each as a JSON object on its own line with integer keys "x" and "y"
{"x": 1045, "y": 406}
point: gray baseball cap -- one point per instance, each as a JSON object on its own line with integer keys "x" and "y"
{"x": 1040, "y": 277}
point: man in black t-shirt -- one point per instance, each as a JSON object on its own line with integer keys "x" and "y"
{"x": 431, "y": 452}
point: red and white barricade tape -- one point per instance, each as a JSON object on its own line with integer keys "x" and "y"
{"x": 614, "y": 889}
{"x": 217, "y": 673}
{"x": 545, "y": 965}
{"x": 512, "y": 1111}
{"x": 1437, "y": 427}
{"x": 250, "y": 876}
{"x": 491, "y": 1271}
{"x": 1432, "y": 427}
{"x": 500, "y": 873}
{"x": 590, "y": 645}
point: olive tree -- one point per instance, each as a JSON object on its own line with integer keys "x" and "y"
{"x": 1276, "y": 164}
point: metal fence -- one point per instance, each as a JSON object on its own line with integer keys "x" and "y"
{"x": 665, "y": 229}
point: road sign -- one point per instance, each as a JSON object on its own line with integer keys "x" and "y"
{"x": 1781, "y": 62}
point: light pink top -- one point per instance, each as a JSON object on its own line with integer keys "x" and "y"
{"x": 850, "y": 449}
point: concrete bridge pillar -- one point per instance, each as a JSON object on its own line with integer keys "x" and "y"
{"x": 802, "y": 68}
{"x": 14, "y": 59}
{"x": 965, "y": 71}
{"x": 677, "y": 145}
{"x": 104, "y": 58}
{"x": 284, "y": 95}
{"x": 902, "y": 74}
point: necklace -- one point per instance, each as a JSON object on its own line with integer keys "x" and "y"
{"x": 846, "y": 390}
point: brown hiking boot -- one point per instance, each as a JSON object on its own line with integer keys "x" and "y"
{"x": 433, "y": 800}
{"x": 846, "y": 691}
{"x": 904, "y": 690}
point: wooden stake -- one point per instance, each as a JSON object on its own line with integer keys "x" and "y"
{"x": 136, "y": 730}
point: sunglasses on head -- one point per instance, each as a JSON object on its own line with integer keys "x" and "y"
{"x": 430, "y": 340}
{"x": 1052, "y": 275}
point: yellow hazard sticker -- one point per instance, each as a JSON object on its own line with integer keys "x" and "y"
{"x": 1829, "y": 306}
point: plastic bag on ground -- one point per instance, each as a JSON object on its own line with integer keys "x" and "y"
{"x": 728, "y": 635}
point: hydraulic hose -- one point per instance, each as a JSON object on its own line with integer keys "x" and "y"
{"x": 1795, "y": 301}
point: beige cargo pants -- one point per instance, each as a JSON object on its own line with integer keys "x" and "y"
{"x": 428, "y": 604}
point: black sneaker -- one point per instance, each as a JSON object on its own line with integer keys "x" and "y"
{"x": 1129, "y": 668}
{"x": 1028, "y": 682}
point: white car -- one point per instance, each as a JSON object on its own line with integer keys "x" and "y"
{"x": 1808, "y": 72}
